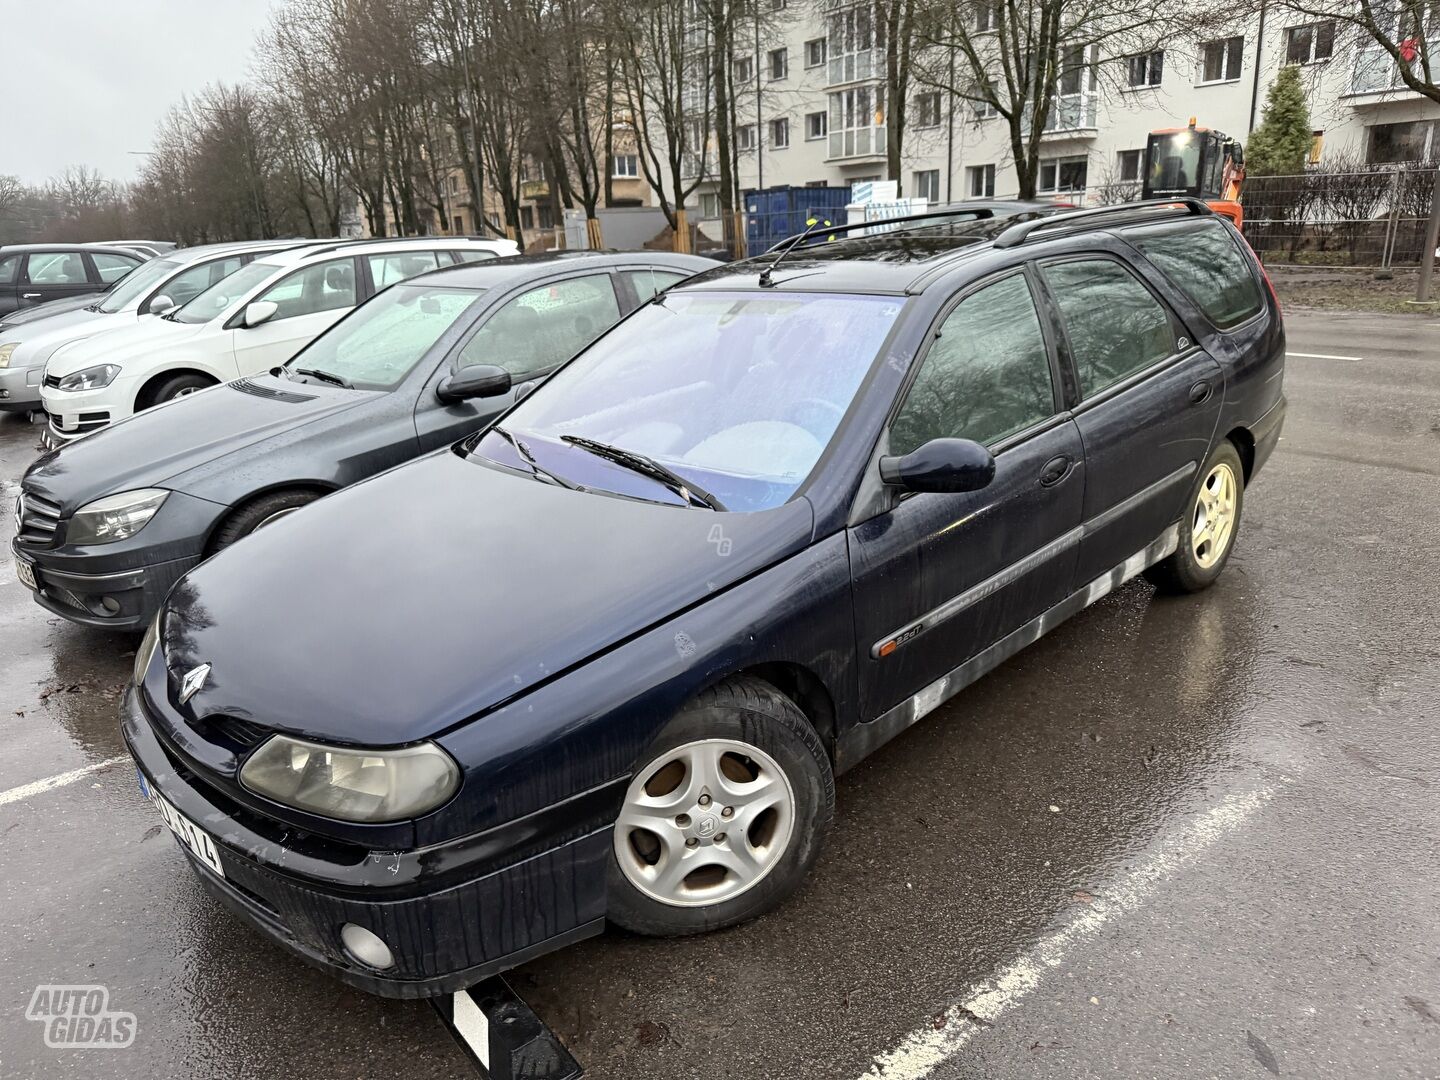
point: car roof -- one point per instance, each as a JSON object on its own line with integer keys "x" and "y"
{"x": 914, "y": 253}
{"x": 501, "y": 273}
{"x": 15, "y": 249}
{"x": 188, "y": 255}
{"x": 377, "y": 245}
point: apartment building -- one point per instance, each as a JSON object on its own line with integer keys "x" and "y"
{"x": 810, "y": 98}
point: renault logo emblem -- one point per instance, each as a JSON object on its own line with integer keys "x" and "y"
{"x": 193, "y": 681}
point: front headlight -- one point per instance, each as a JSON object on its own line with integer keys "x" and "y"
{"x": 352, "y": 785}
{"x": 6, "y": 351}
{"x": 146, "y": 652}
{"x": 115, "y": 517}
{"x": 92, "y": 378}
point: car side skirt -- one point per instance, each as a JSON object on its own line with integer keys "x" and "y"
{"x": 863, "y": 739}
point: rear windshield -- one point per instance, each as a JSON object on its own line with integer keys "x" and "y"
{"x": 1206, "y": 264}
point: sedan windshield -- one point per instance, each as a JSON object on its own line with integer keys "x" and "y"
{"x": 378, "y": 343}
{"x": 137, "y": 283}
{"x": 738, "y": 393}
{"x": 220, "y": 296}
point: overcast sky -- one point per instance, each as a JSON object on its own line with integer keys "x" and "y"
{"x": 87, "y": 81}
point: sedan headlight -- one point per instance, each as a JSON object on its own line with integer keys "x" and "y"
{"x": 6, "y": 351}
{"x": 115, "y": 517}
{"x": 146, "y": 652}
{"x": 92, "y": 378}
{"x": 352, "y": 785}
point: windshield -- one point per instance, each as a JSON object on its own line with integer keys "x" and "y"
{"x": 1174, "y": 164}
{"x": 738, "y": 393}
{"x": 223, "y": 293}
{"x": 378, "y": 344}
{"x": 137, "y": 283}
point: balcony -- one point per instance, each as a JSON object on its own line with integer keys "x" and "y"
{"x": 855, "y": 145}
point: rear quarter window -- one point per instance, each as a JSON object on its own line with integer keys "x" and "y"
{"x": 1205, "y": 263}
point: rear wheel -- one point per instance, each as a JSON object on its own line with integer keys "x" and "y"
{"x": 1208, "y": 531}
{"x": 725, "y": 815}
{"x": 174, "y": 387}
{"x": 265, "y": 510}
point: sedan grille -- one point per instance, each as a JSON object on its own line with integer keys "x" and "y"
{"x": 240, "y": 734}
{"x": 39, "y": 519}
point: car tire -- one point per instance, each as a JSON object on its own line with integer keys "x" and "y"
{"x": 177, "y": 386}
{"x": 1210, "y": 527}
{"x": 259, "y": 513}
{"x": 738, "y": 744}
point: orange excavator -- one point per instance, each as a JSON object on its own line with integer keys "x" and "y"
{"x": 1199, "y": 162}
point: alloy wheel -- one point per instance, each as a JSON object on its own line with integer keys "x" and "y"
{"x": 1213, "y": 523}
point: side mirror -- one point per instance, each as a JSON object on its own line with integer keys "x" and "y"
{"x": 475, "y": 381}
{"x": 944, "y": 465}
{"x": 260, "y": 311}
{"x": 161, "y": 304}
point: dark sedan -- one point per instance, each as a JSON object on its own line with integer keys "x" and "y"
{"x": 603, "y": 660}
{"x": 109, "y": 522}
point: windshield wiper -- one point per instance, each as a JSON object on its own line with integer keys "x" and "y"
{"x": 326, "y": 376}
{"x": 636, "y": 462}
{"x": 529, "y": 459}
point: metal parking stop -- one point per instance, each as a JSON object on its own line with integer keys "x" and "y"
{"x": 502, "y": 1035}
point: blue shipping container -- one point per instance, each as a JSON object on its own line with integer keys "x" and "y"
{"x": 772, "y": 214}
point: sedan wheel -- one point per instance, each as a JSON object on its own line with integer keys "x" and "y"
{"x": 1213, "y": 522}
{"x": 704, "y": 822}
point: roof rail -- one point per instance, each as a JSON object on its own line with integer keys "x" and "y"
{"x": 1021, "y": 231}
{"x": 934, "y": 217}
{"x": 351, "y": 241}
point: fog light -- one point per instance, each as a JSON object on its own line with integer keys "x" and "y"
{"x": 366, "y": 947}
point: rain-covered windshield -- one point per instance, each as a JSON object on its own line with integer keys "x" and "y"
{"x": 220, "y": 296}
{"x": 378, "y": 343}
{"x": 137, "y": 283}
{"x": 739, "y": 393}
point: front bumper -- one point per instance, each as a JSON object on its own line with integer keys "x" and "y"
{"x": 124, "y": 600}
{"x": 73, "y": 413}
{"x": 20, "y": 389}
{"x": 449, "y": 924}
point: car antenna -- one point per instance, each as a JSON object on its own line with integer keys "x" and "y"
{"x": 765, "y": 280}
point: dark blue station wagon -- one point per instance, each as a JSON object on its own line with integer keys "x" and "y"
{"x": 603, "y": 660}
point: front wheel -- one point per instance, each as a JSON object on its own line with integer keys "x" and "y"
{"x": 725, "y": 815}
{"x": 178, "y": 386}
{"x": 1209, "y": 529}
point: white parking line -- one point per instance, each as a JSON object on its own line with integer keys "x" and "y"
{"x": 930, "y": 1046}
{"x": 25, "y": 791}
{"x": 1321, "y": 356}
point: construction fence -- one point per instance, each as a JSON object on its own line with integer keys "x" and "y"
{"x": 1371, "y": 217}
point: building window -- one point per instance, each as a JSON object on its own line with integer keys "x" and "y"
{"x": 744, "y": 70}
{"x": 709, "y": 204}
{"x": 982, "y": 107}
{"x": 980, "y": 181}
{"x": 1145, "y": 69}
{"x": 778, "y": 61}
{"x": 855, "y": 39}
{"x": 927, "y": 185}
{"x": 1310, "y": 43}
{"x": 1127, "y": 164}
{"x": 815, "y": 126}
{"x": 987, "y": 18}
{"x": 527, "y": 217}
{"x": 625, "y": 166}
{"x": 1317, "y": 144}
{"x": 780, "y": 133}
{"x": 459, "y": 225}
{"x": 1220, "y": 61}
{"x": 815, "y": 52}
{"x": 1414, "y": 140}
{"x": 745, "y": 137}
{"x": 454, "y": 185}
{"x": 857, "y": 122}
{"x": 927, "y": 110}
{"x": 1063, "y": 176}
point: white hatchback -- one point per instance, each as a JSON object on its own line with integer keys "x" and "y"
{"x": 253, "y": 320}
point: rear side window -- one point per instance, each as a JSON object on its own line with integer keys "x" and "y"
{"x": 1207, "y": 265}
{"x": 57, "y": 268}
{"x": 544, "y": 327}
{"x": 1114, "y": 324}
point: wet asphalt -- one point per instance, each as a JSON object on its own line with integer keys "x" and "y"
{"x": 1176, "y": 838}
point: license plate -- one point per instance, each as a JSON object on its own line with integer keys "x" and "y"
{"x": 185, "y": 830}
{"x": 26, "y": 573}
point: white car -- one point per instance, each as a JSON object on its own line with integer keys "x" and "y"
{"x": 152, "y": 289}
{"x": 253, "y": 320}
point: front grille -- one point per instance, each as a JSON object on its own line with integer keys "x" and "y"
{"x": 241, "y": 734}
{"x": 39, "y": 519}
{"x": 245, "y": 386}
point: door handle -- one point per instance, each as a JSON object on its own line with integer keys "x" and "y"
{"x": 30, "y": 296}
{"x": 1056, "y": 469}
{"x": 1200, "y": 392}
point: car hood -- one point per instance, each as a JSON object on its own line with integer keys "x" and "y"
{"x": 48, "y": 310}
{"x": 128, "y": 341}
{"x": 151, "y": 447}
{"x": 37, "y": 340}
{"x": 402, "y": 606}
